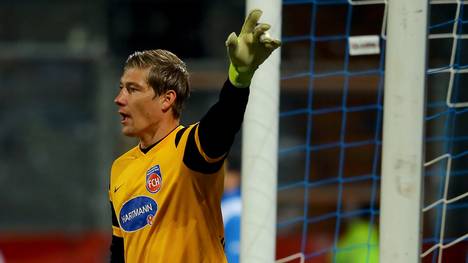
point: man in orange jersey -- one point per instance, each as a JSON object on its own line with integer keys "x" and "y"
{"x": 165, "y": 192}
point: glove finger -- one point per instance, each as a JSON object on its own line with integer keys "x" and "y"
{"x": 269, "y": 46}
{"x": 276, "y": 43}
{"x": 260, "y": 29}
{"x": 272, "y": 44}
{"x": 251, "y": 21}
{"x": 265, "y": 38}
{"x": 231, "y": 44}
{"x": 231, "y": 41}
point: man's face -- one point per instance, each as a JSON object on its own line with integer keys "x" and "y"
{"x": 139, "y": 108}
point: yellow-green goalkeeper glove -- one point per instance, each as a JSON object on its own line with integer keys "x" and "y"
{"x": 248, "y": 50}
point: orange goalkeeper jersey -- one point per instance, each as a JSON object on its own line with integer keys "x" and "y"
{"x": 164, "y": 207}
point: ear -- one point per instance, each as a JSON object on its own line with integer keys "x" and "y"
{"x": 167, "y": 100}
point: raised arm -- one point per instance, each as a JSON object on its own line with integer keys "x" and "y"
{"x": 246, "y": 52}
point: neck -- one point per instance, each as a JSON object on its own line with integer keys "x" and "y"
{"x": 155, "y": 135}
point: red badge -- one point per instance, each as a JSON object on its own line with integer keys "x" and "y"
{"x": 153, "y": 179}
{"x": 149, "y": 220}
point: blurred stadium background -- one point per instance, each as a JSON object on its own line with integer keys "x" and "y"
{"x": 60, "y": 63}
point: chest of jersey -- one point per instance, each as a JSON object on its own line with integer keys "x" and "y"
{"x": 142, "y": 187}
{"x": 165, "y": 210}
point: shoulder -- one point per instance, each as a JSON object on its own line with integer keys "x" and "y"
{"x": 123, "y": 160}
{"x": 130, "y": 154}
{"x": 182, "y": 133}
{"x": 194, "y": 155}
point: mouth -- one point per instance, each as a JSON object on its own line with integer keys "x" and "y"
{"x": 124, "y": 117}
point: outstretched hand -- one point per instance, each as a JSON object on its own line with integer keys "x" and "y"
{"x": 250, "y": 49}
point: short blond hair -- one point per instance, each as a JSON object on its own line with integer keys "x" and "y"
{"x": 166, "y": 72}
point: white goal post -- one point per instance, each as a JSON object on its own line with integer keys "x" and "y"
{"x": 260, "y": 150}
{"x": 403, "y": 131}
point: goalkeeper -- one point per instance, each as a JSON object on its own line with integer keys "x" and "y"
{"x": 165, "y": 193}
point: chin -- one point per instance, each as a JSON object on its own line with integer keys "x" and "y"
{"x": 128, "y": 132}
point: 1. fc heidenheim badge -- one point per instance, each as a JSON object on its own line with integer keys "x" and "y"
{"x": 154, "y": 179}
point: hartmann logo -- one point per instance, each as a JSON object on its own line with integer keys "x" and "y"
{"x": 137, "y": 213}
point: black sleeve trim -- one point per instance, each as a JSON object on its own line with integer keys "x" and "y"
{"x": 179, "y": 135}
{"x": 117, "y": 250}
{"x": 195, "y": 161}
{"x": 115, "y": 222}
{"x": 217, "y": 129}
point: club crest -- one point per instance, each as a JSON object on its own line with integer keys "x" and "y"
{"x": 154, "y": 179}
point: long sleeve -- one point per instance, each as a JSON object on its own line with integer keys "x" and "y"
{"x": 117, "y": 245}
{"x": 117, "y": 250}
{"x": 210, "y": 140}
{"x": 223, "y": 120}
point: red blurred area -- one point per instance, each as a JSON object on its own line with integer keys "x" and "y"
{"x": 456, "y": 253}
{"x": 290, "y": 244}
{"x": 88, "y": 247}
{"x": 93, "y": 247}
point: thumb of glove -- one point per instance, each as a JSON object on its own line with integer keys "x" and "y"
{"x": 231, "y": 44}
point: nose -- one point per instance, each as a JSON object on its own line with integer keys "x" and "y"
{"x": 121, "y": 99}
